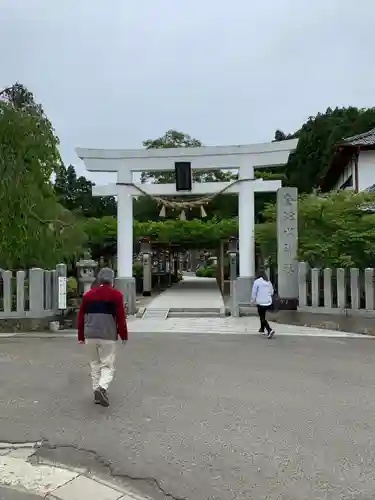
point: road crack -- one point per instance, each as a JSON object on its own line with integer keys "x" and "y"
{"x": 44, "y": 447}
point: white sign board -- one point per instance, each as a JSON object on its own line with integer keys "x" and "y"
{"x": 61, "y": 288}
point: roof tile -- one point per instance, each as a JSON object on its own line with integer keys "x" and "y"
{"x": 365, "y": 139}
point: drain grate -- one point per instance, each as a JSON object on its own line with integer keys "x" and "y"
{"x": 155, "y": 313}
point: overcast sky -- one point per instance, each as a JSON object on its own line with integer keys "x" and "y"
{"x": 111, "y": 73}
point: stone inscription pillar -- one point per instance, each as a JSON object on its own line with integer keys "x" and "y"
{"x": 287, "y": 247}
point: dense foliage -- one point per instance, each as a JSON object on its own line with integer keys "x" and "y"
{"x": 34, "y": 228}
{"x": 102, "y": 233}
{"x": 75, "y": 193}
{"x": 317, "y": 138}
{"x": 336, "y": 230}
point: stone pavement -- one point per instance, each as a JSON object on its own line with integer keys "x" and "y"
{"x": 229, "y": 325}
{"x": 248, "y": 325}
{"x": 190, "y": 293}
{"x": 25, "y": 480}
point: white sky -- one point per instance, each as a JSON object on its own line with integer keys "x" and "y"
{"x": 111, "y": 73}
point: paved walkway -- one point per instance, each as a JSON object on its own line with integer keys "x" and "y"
{"x": 190, "y": 293}
{"x": 248, "y": 325}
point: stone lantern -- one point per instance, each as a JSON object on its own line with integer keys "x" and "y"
{"x": 86, "y": 271}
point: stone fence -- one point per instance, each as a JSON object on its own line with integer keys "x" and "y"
{"x": 336, "y": 291}
{"x": 29, "y": 294}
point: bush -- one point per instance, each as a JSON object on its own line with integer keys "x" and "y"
{"x": 207, "y": 272}
{"x": 72, "y": 287}
{"x": 137, "y": 270}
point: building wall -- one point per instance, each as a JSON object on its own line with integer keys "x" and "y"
{"x": 366, "y": 172}
{"x": 366, "y": 169}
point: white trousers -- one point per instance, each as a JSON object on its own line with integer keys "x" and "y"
{"x": 102, "y": 354}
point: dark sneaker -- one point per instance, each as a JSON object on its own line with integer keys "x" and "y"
{"x": 100, "y": 397}
{"x": 271, "y": 334}
{"x": 260, "y": 330}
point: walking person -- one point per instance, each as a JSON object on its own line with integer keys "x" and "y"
{"x": 101, "y": 321}
{"x": 262, "y": 294}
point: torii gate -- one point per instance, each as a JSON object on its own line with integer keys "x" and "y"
{"x": 244, "y": 158}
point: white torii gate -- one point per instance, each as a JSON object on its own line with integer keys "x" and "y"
{"x": 244, "y": 158}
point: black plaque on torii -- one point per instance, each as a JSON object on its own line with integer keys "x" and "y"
{"x": 184, "y": 179}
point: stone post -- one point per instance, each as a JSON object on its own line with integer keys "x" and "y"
{"x": 127, "y": 289}
{"x": 146, "y": 251}
{"x": 7, "y": 291}
{"x": 354, "y": 288}
{"x": 287, "y": 247}
{"x": 302, "y": 283}
{"x": 235, "y": 299}
{"x": 341, "y": 289}
{"x": 181, "y": 261}
{"x": 48, "y": 289}
{"x": 174, "y": 267}
{"x": 315, "y": 288}
{"x": 36, "y": 292}
{"x": 232, "y": 254}
{"x": 327, "y": 276}
{"x": 54, "y": 289}
{"x": 168, "y": 268}
{"x": 20, "y": 292}
{"x": 369, "y": 288}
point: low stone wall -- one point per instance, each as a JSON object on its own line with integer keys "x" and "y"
{"x": 362, "y": 322}
{"x": 15, "y": 325}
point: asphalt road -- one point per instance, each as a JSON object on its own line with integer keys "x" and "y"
{"x": 204, "y": 417}
{"x": 8, "y": 494}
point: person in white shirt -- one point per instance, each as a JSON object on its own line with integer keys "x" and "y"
{"x": 262, "y": 294}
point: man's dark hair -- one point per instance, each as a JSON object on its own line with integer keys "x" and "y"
{"x": 262, "y": 274}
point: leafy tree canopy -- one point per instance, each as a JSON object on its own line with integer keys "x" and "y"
{"x": 102, "y": 233}
{"x": 335, "y": 230}
{"x": 175, "y": 139}
{"x": 75, "y": 193}
{"x": 34, "y": 228}
{"x": 317, "y": 138}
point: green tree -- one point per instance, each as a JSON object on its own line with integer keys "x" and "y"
{"x": 34, "y": 227}
{"x": 197, "y": 233}
{"x": 317, "y": 138}
{"x": 175, "y": 139}
{"x": 102, "y": 236}
{"x": 75, "y": 194}
{"x": 223, "y": 206}
{"x": 335, "y": 230}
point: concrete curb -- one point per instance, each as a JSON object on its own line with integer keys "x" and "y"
{"x": 53, "y": 482}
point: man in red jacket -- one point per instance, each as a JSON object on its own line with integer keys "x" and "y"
{"x": 101, "y": 320}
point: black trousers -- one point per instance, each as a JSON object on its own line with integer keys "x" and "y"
{"x": 262, "y": 310}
